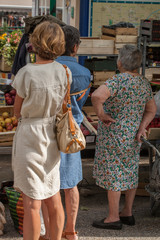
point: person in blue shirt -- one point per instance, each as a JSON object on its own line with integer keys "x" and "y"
{"x": 71, "y": 165}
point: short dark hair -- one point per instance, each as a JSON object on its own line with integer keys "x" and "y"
{"x": 72, "y": 38}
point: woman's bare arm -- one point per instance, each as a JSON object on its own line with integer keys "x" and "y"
{"x": 17, "y": 106}
{"x": 98, "y": 97}
{"x": 149, "y": 113}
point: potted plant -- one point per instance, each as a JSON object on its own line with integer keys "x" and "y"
{"x": 8, "y": 46}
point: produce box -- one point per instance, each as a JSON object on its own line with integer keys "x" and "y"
{"x": 96, "y": 46}
{"x": 3, "y": 66}
{"x": 127, "y": 31}
{"x": 88, "y": 130}
{"x": 150, "y": 29}
{"x": 106, "y": 37}
{"x": 100, "y": 77}
{"x": 127, "y": 39}
{"x": 96, "y": 64}
{"x": 118, "y": 46}
{"x": 108, "y": 31}
{"x": 8, "y": 125}
{"x": 91, "y": 115}
{"x": 153, "y": 134}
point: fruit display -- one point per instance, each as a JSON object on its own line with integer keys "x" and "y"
{"x": 10, "y": 97}
{"x": 8, "y": 123}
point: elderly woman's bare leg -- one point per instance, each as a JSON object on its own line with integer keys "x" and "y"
{"x": 113, "y": 200}
{"x": 56, "y": 216}
{"x": 31, "y": 221}
{"x": 129, "y": 198}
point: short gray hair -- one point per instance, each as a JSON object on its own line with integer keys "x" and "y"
{"x": 130, "y": 57}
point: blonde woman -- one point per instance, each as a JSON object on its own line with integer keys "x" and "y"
{"x": 41, "y": 88}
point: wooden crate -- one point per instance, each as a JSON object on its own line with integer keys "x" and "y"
{"x": 108, "y": 31}
{"x": 150, "y": 29}
{"x": 8, "y": 109}
{"x": 126, "y": 39}
{"x": 96, "y": 46}
{"x": 106, "y": 37}
{"x": 3, "y": 66}
{"x": 100, "y": 77}
{"x": 101, "y": 64}
{"x": 91, "y": 114}
{"x": 6, "y": 138}
{"x": 127, "y": 31}
{"x": 153, "y": 133}
{"x": 118, "y": 46}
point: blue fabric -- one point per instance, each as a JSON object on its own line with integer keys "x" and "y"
{"x": 81, "y": 78}
{"x": 71, "y": 165}
{"x": 70, "y": 170}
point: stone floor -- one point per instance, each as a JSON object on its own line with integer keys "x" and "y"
{"x": 93, "y": 205}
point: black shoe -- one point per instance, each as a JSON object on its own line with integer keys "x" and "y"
{"x": 130, "y": 220}
{"x": 111, "y": 225}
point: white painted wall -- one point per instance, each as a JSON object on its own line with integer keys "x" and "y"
{"x": 16, "y": 3}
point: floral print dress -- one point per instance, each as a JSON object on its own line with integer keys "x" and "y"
{"x": 117, "y": 153}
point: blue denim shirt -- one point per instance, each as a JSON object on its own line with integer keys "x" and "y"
{"x": 81, "y": 78}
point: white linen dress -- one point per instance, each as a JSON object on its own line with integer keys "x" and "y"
{"x": 35, "y": 154}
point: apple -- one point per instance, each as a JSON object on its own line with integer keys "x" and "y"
{"x": 14, "y": 129}
{"x": 5, "y": 115}
{"x": 15, "y": 122}
{"x": 13, "y": 92}
{"x": 2, "y": 123}
{"x": 1, "y": 129}
{"x": 13, "y": 118}
{"x": 8, "y": 120}
{"x": 7, "y": 95}
{"x": 9, "y": 127}
{"x": 4, "y": 130}
{"x": 86, "y": 132}
{"x": 1, "y": 118}
{"x": 9, "y": 101}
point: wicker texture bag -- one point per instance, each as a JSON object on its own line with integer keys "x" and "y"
{"x": 16, "y": 208}
{"x": 69, "y": 135}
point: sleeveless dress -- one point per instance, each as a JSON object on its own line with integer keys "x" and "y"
{"x": 117, "y": 154}
{"x": 35, "y": 156}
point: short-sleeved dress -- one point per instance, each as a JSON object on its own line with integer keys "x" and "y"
{"x": 117, "y": 151}
{"x": 35, "y": 156}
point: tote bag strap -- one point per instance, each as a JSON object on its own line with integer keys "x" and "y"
{"x": 67, "y": 105}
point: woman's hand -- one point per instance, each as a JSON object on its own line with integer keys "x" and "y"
{"x": 106, "y": 119}
{"x": 141, "y": 132}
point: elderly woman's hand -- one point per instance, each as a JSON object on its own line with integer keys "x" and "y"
{"x": 141, "y": 132}
{"x": 106, "y": 119}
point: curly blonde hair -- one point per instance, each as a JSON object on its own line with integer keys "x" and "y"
{"x": 48, "y": 40}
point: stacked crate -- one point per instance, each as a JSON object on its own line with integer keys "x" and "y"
{"x": 101, "y": 69}
{"x": 150, "y": 29}
{"x": 96, "y": 46}
{"x": 121, "y": 36}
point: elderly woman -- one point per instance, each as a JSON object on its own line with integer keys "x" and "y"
{"x": 125, "y": 106}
